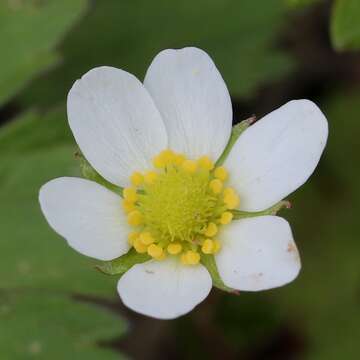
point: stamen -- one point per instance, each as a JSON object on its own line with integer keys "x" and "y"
{"x": 158, "y": 162}
{"x": 139, "y": 246}
{"x": 217, "y": 246}
{"x": 135, "y": 218}
{"x": 211, "y": 230}
{"x": 192, "y": 257}
{"x": 207, "y": 246}
{"x": 155, "y": 251}
{"x": 132, "y": 236}
{"x": 146, "y": 238}
{"x": 189, "y": 166}
{"x": 229, "y": 191}
{"x": 221, "y": 173}
{"x": 179, "y": 159}
{"x": 161, "y": 257}
{"x": 136, "y": 178}
{"x": 231, "y": 201}
{"x": 177, "y": 210}
{"x": 167, "y": 156}
{"x": 174, "y": 248}
{"x": 130, "y": 194}
{"x": 128, "y": 206}
{"x": 183, "y": 259}
{"x": 216, "y": 186}
{"x": 206, "y": 163}
{"x": 226, "y": 217}
{"x": 150, "y": 177}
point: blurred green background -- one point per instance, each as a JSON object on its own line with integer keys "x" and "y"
{"x": 53, "y": 304}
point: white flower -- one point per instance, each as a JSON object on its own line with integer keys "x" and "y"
{"x": 162, "y": 138}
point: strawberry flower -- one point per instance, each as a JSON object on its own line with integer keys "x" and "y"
{"x": 191, "y": 189}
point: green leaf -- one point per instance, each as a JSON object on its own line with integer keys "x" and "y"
{"x": 238, "y": 36}
{"x": 236, "y": 131}
{"x": 248, "y": 320}
{"x": 33, "y": 132}
{"x": 209, "y": 262}
{"x": 238, "y": 214}
{"x": 345, "y": 25}
{"x": 43, "y": 325}
{"x": 301, "y": 3}
{"x": 35, "y": 149}
{"x": 29, "y": 32}
{"x": 122, "y": 264}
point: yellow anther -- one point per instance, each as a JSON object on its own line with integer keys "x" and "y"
{"x": 226, "y": 217}
{"x": 207, "y": 205}
{"x": 221, "y": 173}
{"x": 211, "y": 230}
{"x": 208, "y": 246}
{"x": 231, "y": 201}
{"x": 134, "y": 218}
{"x": 146, "y": 238}
{"x": 150, "y": 177}
{"x": 206, "y": 163}
{"x": 229, "y": 191}
{"x": 216, "y": 186}
{"x": 130, "y": 194}
{"x": 128, "y": 206}
{"x": 183, "y": 259}
{"x": 217, "y": 247}
{"x": 162, "y": 256}
{"x": 132, "y": 236}
{"x": 189, "y": 166}
{"x": 174, "y": 248}
{"x": 179, "y": 159}
{"x": 155, "y": 251}
{"x": 139, "y": 246}
{"x": 158, "y": 162}
{"x": 192, "y": 257}
{"x": 136, "y": 178}
{"x": 167, "y": 156}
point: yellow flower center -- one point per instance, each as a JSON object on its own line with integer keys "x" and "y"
{"x": 177, "y": 208}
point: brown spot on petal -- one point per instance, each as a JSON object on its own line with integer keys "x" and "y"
{"x": 291, "y": 247}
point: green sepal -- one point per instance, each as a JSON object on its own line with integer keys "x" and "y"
{"x": 236, "y": 131}
{"x": 209, "y": 262}
{"x": 88, "y": 172}
{"x": 123, "y": 263}
{"x": 284, "y": 204}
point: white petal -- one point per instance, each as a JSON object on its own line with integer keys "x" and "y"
{"x": 164, "y": 289}
{"x": 87, "y": 215}
{"x": 277, "y": 154}
{"x": 193, "y": 100}
{"x": 115, "y": 123}
{"x": 257, "y": 254}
